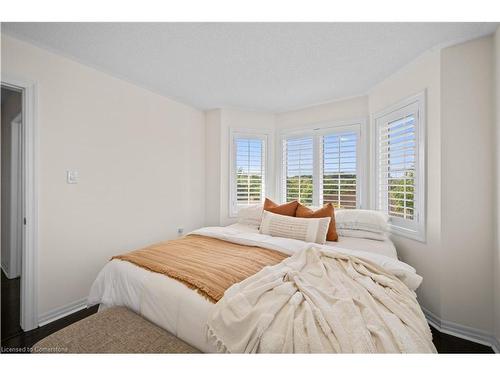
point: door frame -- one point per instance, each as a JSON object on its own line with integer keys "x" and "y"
{"x": 16, "y": 209}
{"x": 29, "y": 166}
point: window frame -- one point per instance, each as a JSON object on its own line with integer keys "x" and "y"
{"x": 266, "y": 137}
{"x": 415, "y": 104}
{"x": 316, "y": 131}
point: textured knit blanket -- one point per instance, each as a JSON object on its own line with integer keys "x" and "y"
{"x": 320, "y": 301}
{"x": 208, "y": 265}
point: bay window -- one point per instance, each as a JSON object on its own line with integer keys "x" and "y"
{"x": 322, "y": 166}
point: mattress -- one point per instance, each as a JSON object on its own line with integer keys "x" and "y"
{"x": 183, "y": 312}
{"x": 162, "y": 300}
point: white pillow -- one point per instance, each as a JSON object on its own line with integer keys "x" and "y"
{"x": 364, "y": 220}
{"x": 251, "y": 215}
{"x": 298, "y": 228}
{"x": 362, "y": 234}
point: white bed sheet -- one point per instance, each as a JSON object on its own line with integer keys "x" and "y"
{"x": 182, "y": 311}
{"x": 386, "y": 247}
{"x": 162, "y": 300}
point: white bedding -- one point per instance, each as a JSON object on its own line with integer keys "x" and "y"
{"x": 183, "y": 312}
{"x": 385, "y": 247}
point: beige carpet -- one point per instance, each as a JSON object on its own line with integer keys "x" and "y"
{"x": 115, "y": 330}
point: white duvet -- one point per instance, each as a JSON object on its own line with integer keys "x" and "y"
{"x": 182, "y": 311}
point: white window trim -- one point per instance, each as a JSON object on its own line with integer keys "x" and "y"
{"x": 319, "y": 129}
{"x": 265, "y": 135}
{"x": 418, "y": 230}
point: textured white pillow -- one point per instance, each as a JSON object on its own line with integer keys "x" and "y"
{"x": 251, "y": 215}
{"x": 304, "y": 229}
{"x": 364, "y": 220}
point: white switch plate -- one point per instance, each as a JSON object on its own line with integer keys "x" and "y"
{"x": 72, "y": 177}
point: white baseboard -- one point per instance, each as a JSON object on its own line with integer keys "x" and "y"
{"x": 61, "y": 312}
{"x": 496, "y": 345}
{"x": 464, "y": 332}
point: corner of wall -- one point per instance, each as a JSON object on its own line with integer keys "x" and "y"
{"x": 212, "y": 166}
{"x": 496, "y": 269}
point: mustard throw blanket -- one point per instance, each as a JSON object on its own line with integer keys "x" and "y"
{"x": 208, "y": 265}
{"x": 320, "y": 301}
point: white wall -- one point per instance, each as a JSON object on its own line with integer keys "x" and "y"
{"x": 422, "y": 74}
{"x": 467, "y": 194}
{"x": 341, "y": 110}
{"x": 141, "y": 159}
{"x": 11, "y": 107}
{"x": 219, "y": 122}
{"x": 496, "y": 257}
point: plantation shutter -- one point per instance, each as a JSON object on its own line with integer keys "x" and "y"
{"x": 298, "y": 167}
{"x": 396, "y": 166}
{"x": 339, "y": 169}
{"x": 250, "y": 170}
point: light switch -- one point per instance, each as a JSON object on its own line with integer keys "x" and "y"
{"x": 72, "y": 177}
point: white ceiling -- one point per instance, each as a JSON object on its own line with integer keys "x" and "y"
{"x": 259, "y": 66}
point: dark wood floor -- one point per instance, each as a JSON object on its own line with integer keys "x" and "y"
{"x": 454, "y": 345}
{"x": 11, "y": 305}
{"x": 14, "y": 340}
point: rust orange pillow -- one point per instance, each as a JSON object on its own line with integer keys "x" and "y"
{"x": 326, "y": 211}
{"x": 287, "y": 209}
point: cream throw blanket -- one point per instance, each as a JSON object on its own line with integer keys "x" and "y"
{"x": 320, "y": 301}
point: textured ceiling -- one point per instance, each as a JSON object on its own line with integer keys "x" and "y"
{"x": 259, "y": 66}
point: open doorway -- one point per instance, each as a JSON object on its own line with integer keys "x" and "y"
{"x": 11, "y": 209}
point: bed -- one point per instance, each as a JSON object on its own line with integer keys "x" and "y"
{"x": 182, "y": 311}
